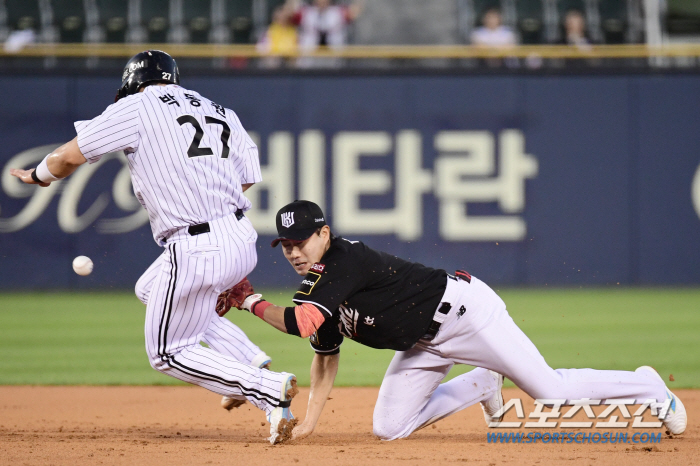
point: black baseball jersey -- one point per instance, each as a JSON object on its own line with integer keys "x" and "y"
{"x": 377, "y": 299}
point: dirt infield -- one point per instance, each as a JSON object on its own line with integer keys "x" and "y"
{"x": 184, "y": 425}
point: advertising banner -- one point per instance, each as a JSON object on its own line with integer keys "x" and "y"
{"x": 527, "y": 180}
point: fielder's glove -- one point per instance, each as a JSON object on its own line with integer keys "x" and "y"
{"x": 235, "y": 297}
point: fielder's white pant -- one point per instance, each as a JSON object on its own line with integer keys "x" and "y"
{"x": 412, "y": 397}
{"x": 180, "y": 290}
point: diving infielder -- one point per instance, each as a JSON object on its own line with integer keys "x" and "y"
{"x": 433, "y": 320}
{"x": 190, "y": 162}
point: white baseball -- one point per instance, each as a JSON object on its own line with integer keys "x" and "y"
{"x": 82, "y": 265}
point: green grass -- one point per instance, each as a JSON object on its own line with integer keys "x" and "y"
{"x": 97, "y": 338}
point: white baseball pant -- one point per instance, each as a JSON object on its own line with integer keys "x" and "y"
{"x": 180, "y": 290}
{"x": 412, "y": 397}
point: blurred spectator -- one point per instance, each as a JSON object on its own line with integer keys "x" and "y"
{"x": 493, "y": 33}
{"x": 17, "y": 40}
{"x": 575, "y": 30}
{"x": 323, "y": 24}
{"x": 575, "y": 35}
{"x": 280, "y": 38}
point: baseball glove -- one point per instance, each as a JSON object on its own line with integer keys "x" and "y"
{"x": 234, "y": 297}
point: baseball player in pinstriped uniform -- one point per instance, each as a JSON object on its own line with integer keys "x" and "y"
{"x": 190, "y": 162}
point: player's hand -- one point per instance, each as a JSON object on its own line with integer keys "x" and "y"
{"x": 235, "y": 297}
{"x": 26, "y": 176}
{"x": 301, "y": 431}
{"x": 250, "y": 301}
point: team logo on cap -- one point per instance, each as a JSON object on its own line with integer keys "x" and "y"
{"x": 287, "y": 219}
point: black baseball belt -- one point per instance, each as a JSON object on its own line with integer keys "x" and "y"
{"x": 438, "y": 319}
{"x": 444, "y": 309}
{"x": 200, "y": 228}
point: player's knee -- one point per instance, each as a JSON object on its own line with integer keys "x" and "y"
{"x": 155, "y": 364}
{"x": 388, "y": 429}
{"x": 157, "y": 360}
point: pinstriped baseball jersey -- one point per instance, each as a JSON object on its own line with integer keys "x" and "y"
{"x": 189, "y": 159}
{"x": 188, "y": 156}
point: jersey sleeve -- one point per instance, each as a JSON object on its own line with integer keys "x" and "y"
{"x": 327, "y": 339}
{"x": 327, "y": 285}
{"x": 247, "y": 161}
{"x": 117, "y": 128}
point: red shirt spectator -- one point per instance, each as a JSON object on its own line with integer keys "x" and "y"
{"x": 324, "y": 24}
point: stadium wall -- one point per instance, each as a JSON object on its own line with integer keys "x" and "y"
{"x": 521, "y": 180}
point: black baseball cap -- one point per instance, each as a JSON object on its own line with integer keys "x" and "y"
{"x": 297, "y": 221}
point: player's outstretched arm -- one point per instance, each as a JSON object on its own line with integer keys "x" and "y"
{"x": 270, "y": 313}
{"x": 302, "y": 320}
{"x": 323, "y": 371}
{"x": 58, "y": 164}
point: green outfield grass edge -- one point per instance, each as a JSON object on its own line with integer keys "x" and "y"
{"x": 97, "y": 338}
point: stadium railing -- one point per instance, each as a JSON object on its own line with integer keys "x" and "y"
{"x": 363, "y": 51}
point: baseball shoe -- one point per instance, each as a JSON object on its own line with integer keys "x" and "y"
{"x": 281, "y": 419}
{"x": 494, "y": 404}
{"x": 676, "y": 418}
{"x": 262, "y": 361}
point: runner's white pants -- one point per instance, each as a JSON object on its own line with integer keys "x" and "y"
{"x": 180, "y": 290}
{"x": 412, "y": 397}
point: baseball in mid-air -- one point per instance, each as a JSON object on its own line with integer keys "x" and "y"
{"x": 82, "y": 265}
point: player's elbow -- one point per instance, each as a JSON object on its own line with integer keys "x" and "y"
{"x": 66, "y": 159}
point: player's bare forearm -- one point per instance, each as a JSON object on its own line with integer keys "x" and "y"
{"x": 242, "y": 296}
{"x": 246, "y": 186}
{"x": 304, "y": 319}
{"x": 274, "y": 315}
{"x": 61, "y": 163}
{"x": 66, "y": 159}
{"x": 323, "y": 372}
